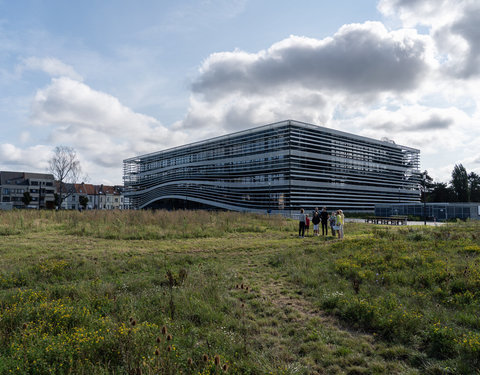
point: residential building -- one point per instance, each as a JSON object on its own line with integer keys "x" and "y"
{"x": 101, "y": 197}
{"x": 278, "y": 168}
{"x": 70, "y": 197}
{"x": 40, "y": 186}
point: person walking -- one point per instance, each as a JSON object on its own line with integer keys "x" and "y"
{"x": 324, "y": 219}
{"x": 301, "y": 223}
{"x": 316, "y": 222}
{"x": 333, "y": 221}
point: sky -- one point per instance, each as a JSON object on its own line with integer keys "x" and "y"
{"x": 118, "y": 78}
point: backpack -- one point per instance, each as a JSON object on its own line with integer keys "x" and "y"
{"x": 307, "y": 221}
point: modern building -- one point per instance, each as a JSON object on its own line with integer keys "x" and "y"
{"x": 40, "y": 186}
{"x": 433, "y": 211}
{"x": 279, "y": 167}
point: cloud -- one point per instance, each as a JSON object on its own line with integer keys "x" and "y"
{"x": 49, "y": 65}
{"x": 97, "y": 125}
{"x": 188, "y": 17}
{"x": 453, "y": 25}
{"x": 30, "y": 158}
{"x": 467, "y": 27}
{"x": 415, "y": 12}
{"x": 428, "y": 128}
{"x": 435, "y": 122}
{"x": 307, "y": 79}
{"x": 364, "y": 79}
{"x": 73, "y": 103}
{"x": 412, "y": 122}
{"x": 359, "y": 58}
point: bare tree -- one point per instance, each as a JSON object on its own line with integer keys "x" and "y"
{"x": 65, "y": 168}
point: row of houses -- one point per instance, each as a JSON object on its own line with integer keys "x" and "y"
{"x": 43, "y": 191}
{"x": 100, "y": 197}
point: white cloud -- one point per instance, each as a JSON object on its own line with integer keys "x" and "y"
{"x": 453, "y": 24}
{"x": 98, "y": 126}
{"x": 308, "y": 79}
{"x": 359, "y": 59}
{"x": 445, "y": 136}
{"x": 49, "y": 65}
{"x": 365, "y": 79}
{"x": 423, "y": 12}
{"x": 419, "y": 126}
{"x": 31, "y": 158}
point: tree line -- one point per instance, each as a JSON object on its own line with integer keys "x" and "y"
{"x": 463, "y": 187}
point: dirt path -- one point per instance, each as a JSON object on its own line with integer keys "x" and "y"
{"x": 296, "y": 335}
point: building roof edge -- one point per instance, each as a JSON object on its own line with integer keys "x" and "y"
{"x": 271, "y": 125}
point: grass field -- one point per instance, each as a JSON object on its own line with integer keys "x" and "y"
{"x": 208, "y": 293}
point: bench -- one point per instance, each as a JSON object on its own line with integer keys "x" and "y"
{"x": 394, "y": 220}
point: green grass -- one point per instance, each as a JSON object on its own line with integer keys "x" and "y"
{"x": 91, "y": 293}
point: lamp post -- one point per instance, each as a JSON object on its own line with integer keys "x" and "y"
{"x": 39, "y": 193}
{"x": 424, "y": 183}
{"x": 269, "y": 197}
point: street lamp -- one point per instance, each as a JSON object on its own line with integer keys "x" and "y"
{"x": 424, "y": 185}
{"x": 269, "y": 197}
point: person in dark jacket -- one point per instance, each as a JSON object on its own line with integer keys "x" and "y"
{"x": 316, "y": 222}
{"x": 324, "y": 220}
{"x": 301, "y": 223}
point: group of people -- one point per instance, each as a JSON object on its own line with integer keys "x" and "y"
{"x": 335, "y": 220}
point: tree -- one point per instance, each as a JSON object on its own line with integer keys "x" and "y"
{"x": 426, "y": 185}
{"x": 440, "y": 192}
{"x": 427, "y": 181}
{"x": 65, "y": 168}
{"x": 474, "y": 187}
{"x": 83, "y": 200}
{"x": 459, "y": 183}
{"x": 27, "y": 198}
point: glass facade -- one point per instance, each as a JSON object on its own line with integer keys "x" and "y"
{"x": 433, "y": 211}
{"x": 279, "y": 167}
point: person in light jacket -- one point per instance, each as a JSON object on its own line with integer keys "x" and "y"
{"x": 333, "y": 220}
{"x": 339, "y": 224}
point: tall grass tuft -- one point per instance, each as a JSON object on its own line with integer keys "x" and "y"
{"x": 142, "y": 224}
